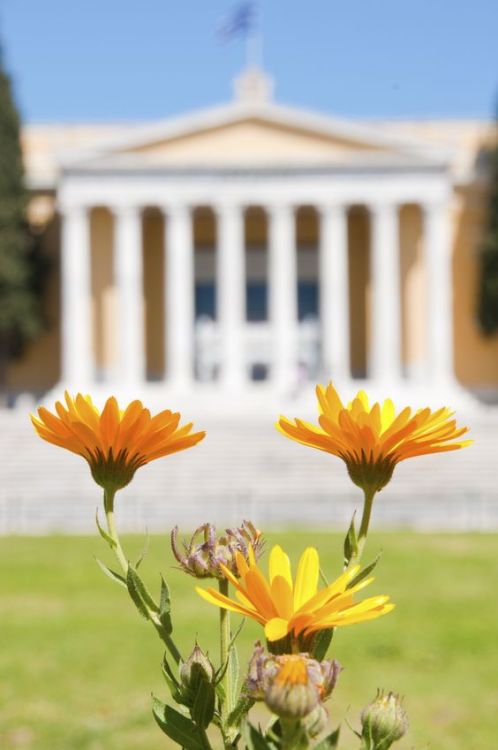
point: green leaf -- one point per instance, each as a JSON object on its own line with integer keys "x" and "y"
{"x": 331, "y": 742}
{"x": 255, "y": 739}
{"x": 179, "y": 728}
{"x": 350, "y": 542}
{"x": 139, "y": 593}
{"x": 204, "y": 701}
{"x": 363, "y": 573}
{"x": 323, "y": 640}
{"x": 111, "y": 573}
{"x": 165, "y": 607}
{"x": 110, "y": 541}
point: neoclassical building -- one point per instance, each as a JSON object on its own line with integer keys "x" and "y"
{"x": 254, "y": 247}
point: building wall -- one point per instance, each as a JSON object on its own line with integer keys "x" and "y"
{"x": 476, "y": 357}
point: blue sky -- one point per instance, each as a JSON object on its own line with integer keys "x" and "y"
{"x": 94, "y": 60}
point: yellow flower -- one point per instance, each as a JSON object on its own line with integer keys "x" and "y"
{"x": 115, "y": 442}
{"x": 297, "y": 608}
{"x": 371, "y": 441}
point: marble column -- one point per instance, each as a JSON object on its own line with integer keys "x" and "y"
{"x": 78, "y": 358}
{"x": 385, "y": 359}
{"x": 334, "y": 292}
{"x": 231, "y": 294}
{"x": 283, "y": 295}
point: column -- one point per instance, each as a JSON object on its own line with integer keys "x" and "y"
{"x": 283, "y": 294}
{"x": 128, "y": 274}
{"x": 77, "y": 363}
{"x": 231, "y": 294}
{"x": 334, "y": 292}
{"x": 179, "y": 296}
{"x": 385, "y": 359}
{"x": 437, "y": 244}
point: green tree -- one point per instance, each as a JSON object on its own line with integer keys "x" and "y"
{"x": 20, "y": 265}
{"x": 488, "y": 298}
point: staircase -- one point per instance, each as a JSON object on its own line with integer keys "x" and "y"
{"x": 245, "y": 469}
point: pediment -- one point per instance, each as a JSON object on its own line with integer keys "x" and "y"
{"x": 238, "y": 135}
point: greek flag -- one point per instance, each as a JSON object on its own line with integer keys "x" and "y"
{"x": 240, "y": 22}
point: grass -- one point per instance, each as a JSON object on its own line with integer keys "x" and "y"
{"x": 78, "y": 665}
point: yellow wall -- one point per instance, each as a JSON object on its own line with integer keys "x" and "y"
{"x": 154, "y": 277}
{"x": 476, "y": 357}
{"x": 104, "y": 300}
{"x": 359, "y": 285}
{"x": 413, "y": 291}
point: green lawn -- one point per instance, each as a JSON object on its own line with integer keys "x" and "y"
{"x": 78, "y": 664}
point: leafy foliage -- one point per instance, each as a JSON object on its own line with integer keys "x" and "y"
{"x": 20, "y": 264}
{"x": 488, "y": 297}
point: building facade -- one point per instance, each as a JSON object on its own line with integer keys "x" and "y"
{"x": 254, "y": 248}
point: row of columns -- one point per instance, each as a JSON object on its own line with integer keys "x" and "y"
{"x": 385, "y": 359}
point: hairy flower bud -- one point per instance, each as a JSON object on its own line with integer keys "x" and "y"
{"x": 316, "y": 721}
{"x": 202, "y": 555}
{"x": 198, "y": 667}
{"x": 291, "y": 685}
{"x": 383, "y": 722}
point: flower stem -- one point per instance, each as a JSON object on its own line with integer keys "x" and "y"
{"x": 225, "y": 657}
{"x": 111, "y": 526}
{"x": 365, "y": 521}
{"x": 123, "y": 561}
{"x": 364, "y": 524}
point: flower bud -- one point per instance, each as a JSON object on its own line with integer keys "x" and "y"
{"x": 197, "y": 667}
{"x": 291, "y": 694}
{"x": 291, "y": 685}
{"x": 202, "y": 555}
{"x": 384, "y": 721}
{"x": 316, "y": 721}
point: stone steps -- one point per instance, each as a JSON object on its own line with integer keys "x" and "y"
{"x": 245, "y": 468}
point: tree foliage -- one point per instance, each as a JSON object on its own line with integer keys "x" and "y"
{"x": 488, "y": 297}
{"x": 20, "y": 266}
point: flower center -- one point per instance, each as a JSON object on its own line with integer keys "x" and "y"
{"x": 293, "y": 672}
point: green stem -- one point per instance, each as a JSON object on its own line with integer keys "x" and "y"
{"x": 365, "y": 519}
{"x": 364, "y": 524}
{"x": 111, "y": 526}
{"x": 204, "y": 738}
{"x": 123, "y": 561}
{"x": 225, "y": 658}
{"x": 293, "y": 735}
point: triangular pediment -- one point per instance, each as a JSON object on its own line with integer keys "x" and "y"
{"x": 263, "y": 135}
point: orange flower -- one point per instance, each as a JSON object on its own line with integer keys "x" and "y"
{"x": 114, "y": 442}
{"x": 371, "y": 441}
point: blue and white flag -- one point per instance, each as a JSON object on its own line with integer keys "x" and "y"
{"x": 240, "y": 22}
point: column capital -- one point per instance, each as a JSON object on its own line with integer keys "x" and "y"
{"x": 121, "y": 209}
{"x": 71, "y": 207}
{"x": 230, "y": 207}
{"x": 381, "y": 207}
{"x": 332, "y": 207}
{"x": 440, "y": 205}
{"x": 177, "y": 208}
{"x": 276, "y": 206}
